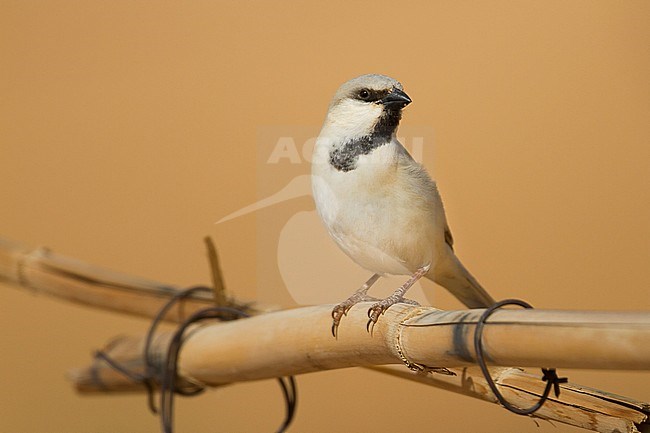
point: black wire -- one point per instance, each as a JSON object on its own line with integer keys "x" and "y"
{"x": 549, "y": 374}
{"x": 135, "y": 377}
{"x": 150, "y": 369}
{"x": 167, "y": 375}
{"x": 290, "y": 397}
{"x": 148, "y": 377}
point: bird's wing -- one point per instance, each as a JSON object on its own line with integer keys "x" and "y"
{"x": 424, "y": 186}
{"x": 449, "y": 239}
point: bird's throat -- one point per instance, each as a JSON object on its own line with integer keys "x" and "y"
{"x": 345, "y": 156}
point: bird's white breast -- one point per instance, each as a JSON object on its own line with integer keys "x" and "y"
{"x": 380, "y": 213}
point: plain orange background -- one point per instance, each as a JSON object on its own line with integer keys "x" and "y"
{"x": 128, "y": 128}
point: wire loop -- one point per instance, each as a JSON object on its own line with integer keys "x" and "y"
{"x": 549, "y": 374}
{"x": 165, "y": 374}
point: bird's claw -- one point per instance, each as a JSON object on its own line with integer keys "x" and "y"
{"x": 342, "y": 309}
{"x": 376, "y": 310}
{"x": 337, "y": 314}
{"x": 373, "y": 315}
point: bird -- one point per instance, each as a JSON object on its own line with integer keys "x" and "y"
{"x": 378, "y": 204}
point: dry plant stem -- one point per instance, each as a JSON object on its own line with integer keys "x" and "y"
{"x": 577, "y": 405}
{"x": 127, "y": 351}
{"x": 72, "y": 280}
{"x": 220, "y": 296}
{"x": 280, "y": 343}
{"x": 298, "y": 341}
{"x": 249, "y": 349}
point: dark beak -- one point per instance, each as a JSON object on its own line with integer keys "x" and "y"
{"x": 396, "y": 98}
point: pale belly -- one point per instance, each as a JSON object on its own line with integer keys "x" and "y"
{"x": 379, "y": 226}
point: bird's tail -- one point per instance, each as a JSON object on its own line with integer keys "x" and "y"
{"x": 462, "y": 284}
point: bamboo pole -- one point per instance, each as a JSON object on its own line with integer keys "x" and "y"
{"x": 75, "y": 281}
{"x": 416, "y": 336}
{"x": 265, "y": 346}
{"x": 213, "y": 356}
{"x": 577, "y": 405}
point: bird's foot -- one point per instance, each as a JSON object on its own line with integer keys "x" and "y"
{"x": 342, "y": 309}
{"x": 380, "y": 308}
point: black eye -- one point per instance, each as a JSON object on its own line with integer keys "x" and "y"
{"x": 364, "y": 94}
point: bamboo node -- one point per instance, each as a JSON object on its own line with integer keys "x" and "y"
{"x": 24, "y": 259}
{"x": 414, "y": 366}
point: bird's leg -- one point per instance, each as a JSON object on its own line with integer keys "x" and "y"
{"x": 360, "y": 295}
{"x": 398, "y": 296}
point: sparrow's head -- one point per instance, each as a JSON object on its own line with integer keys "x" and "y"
{"x": 369, "y": 105}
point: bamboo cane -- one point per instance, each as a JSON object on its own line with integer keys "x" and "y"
{"x": 265, "y": 346}
{"x": 417, "y": 337}
{"x": 211, "y": 365}
{"x": 579, "y": 406}
{"x": 75, "y": 281}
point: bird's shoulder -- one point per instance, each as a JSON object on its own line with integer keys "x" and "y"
{"x": 416, "y": 174}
